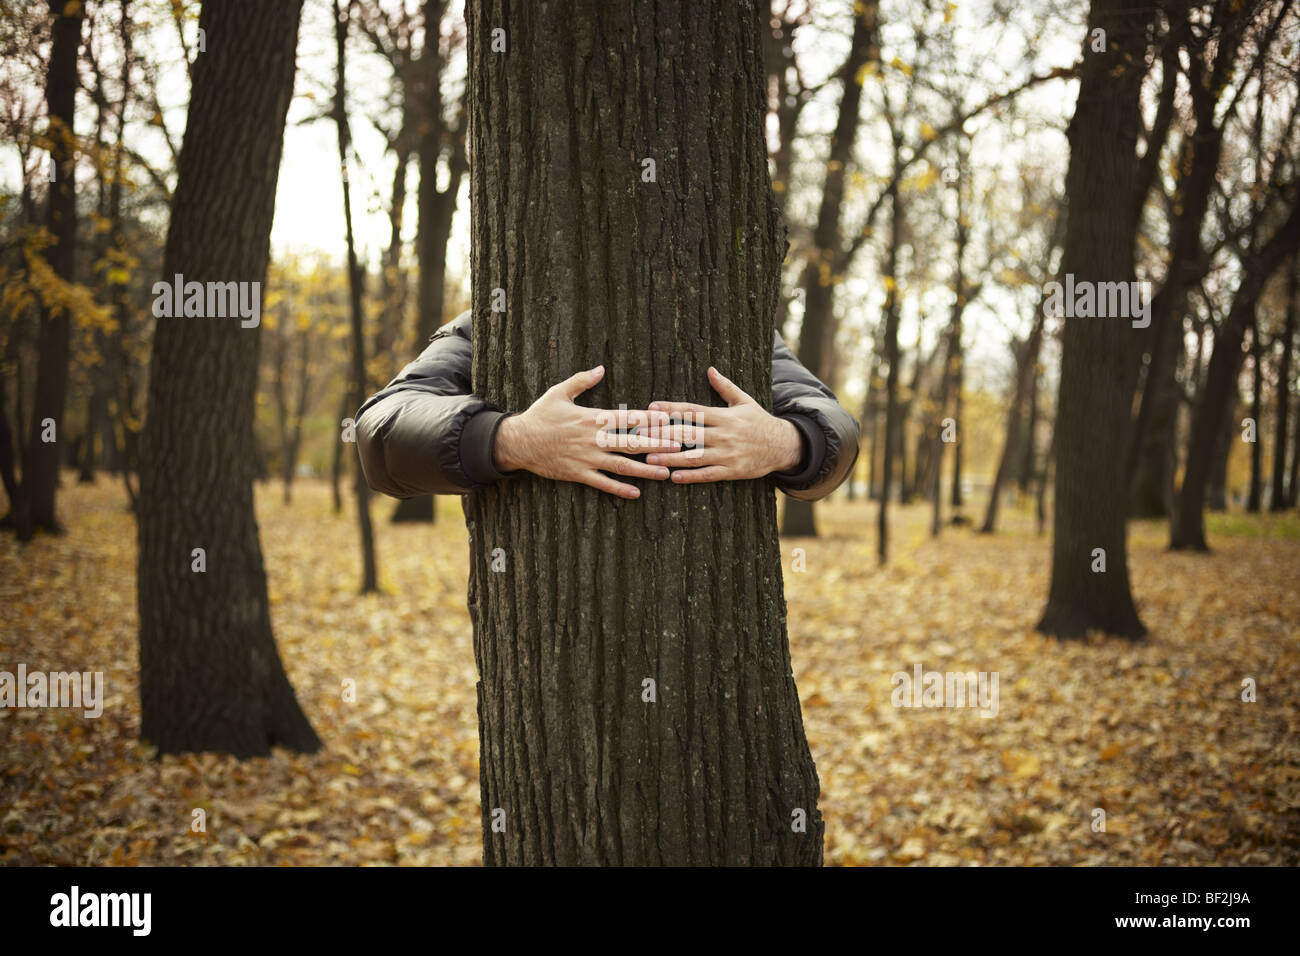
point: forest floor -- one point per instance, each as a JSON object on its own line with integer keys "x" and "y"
{"x": 1155, "y": 734}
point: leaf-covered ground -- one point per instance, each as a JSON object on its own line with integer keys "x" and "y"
{"x": 1154, "y": 734}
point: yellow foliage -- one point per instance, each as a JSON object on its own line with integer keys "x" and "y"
{"x": 39, "y": 284}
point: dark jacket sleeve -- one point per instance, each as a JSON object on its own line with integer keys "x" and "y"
{"x": 829, "y": 432}
{"x": 425, "y": 433}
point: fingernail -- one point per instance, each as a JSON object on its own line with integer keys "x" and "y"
{"x": 654, "y": 406}
{"x": 663, "y": 472}
{"x": 652, "y": 459}
{"x": 599, "y": 370}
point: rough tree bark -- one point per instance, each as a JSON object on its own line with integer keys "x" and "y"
{"x": 591, "y": 596}
{"x": 210, "y": 674}
{"x": 1095, "y": 393}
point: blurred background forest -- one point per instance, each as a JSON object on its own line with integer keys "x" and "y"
{"x": 921, "y": 168}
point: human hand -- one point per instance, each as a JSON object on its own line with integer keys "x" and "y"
{"x": 740, "y": 441}
{"x": 556, "y": 438}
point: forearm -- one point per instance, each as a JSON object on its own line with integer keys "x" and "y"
{"x": 830, "y": 433}
{"x": 414, "y": 443}
{"x": 830, "y": 437}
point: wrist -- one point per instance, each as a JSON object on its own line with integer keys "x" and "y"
{"x": 506, "y": 445}
{"x": 788, "y": 450}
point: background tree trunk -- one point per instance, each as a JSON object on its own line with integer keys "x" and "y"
{"x": 437, "y": 209}
{"x": 1040, "y": 496}
{"x": 957, "y": 497}
{"x": 1027, "y": 468}
{"x": 356, "y": 281}
{"x": 1188, "y": 529}
{"x": 35, "y": 507}
{"x": 656, "y": 281}
{"x": 1094, "y": 405}
{"x": 1152, "y": 449}
{"x": 210, "y": 674}
{"x": 1278, "y": 499}
{"x": 1217, "y": 491}
{"x": 1255, "y": 494}
{"x": 336, "y": 462}
{"x": 817, "y": 333}
{"x": 1027, "y": 362}
{"x": 892, "y": 359}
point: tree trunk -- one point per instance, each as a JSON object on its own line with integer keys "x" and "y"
{"x": 210, "y": 674}
{"x": 40, "y": 479}
{"x": 1217, "y": 492}
{"x": 436, "y": 211}
{"x": 392, "y": 280}
{"x": 1095, "y": 393}
{"x": 356, "y": 279}
{"x": 890, "y": 320}
{"x": 1188, "y": 528}
{"x": 1278, "y": 497}
{"x": 7, "y": 472}
{"x": 911, "y": 479}
{"x": 96, "y": 399}
{"x": 951, "y": 378}
{"x": 280, "y": 394}
{"x": 941, "y": 399}
{"x": 656, "y": 280}
{"x": 1293, "y": 483}
{"x": 870, "y": 411}
{"x": 1028, "y": 466}
{"x": 1028, "y": 362}
{"x": 817, "y": 334}
{"x": 1154, "y": 452}
{"x": 956, "y": 499}
{"x": 1255, "y": 497}
{"x": 1040, "y": 503}
{"x": 336, "y": 466}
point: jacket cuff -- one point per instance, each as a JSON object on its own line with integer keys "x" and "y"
{"x": 476, "y": 442}
{"x": 813, "y": 440}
